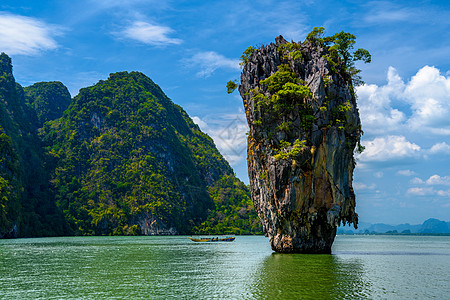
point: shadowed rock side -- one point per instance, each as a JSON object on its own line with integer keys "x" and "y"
{"x": 304, "y": 127}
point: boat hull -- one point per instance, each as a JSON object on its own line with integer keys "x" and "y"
{"x": 206, "y": 240}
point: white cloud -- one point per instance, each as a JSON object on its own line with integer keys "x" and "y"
{"x": 210, "y": 61}
{"x": 426, "y": 94}
{"x": 438, "y": 180}
{"x": 388, "y": 16}
{"x": 416, "y": 180}
{"x": 428, "y": 191}
{"x": 378, "y": 174}
{"x": 443, "y": 193}
{"x": 419, "y": 191}
{"x": 203, "y": 125}
{"x": 388, "y": 148}
{"x": 433, "y": 180}
{"x": 150, "y": 34}
{"x": 25, "y": 35}
{"x": 232, "y": 140}
{"x": 440, "y": 148}
{"x": 359, "y": 186}
{"x": 375, "y": 108}
{"x": 406, "y": 172}
{"x": 229, "y": 134}
{"x": 382, "y": 12}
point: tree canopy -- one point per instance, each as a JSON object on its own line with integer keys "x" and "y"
{"x": 341, "y": 45}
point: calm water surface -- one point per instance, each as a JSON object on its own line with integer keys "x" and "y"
{"x": 361, "y": 267}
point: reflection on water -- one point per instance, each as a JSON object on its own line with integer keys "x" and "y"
{"x": 360, "y": 267}
{"x": 127, "y": 267}
{"x": 306, "y": 276}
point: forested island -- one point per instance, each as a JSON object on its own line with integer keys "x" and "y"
{"x": 120, "y": 158}
{"x": 304, "y": 123}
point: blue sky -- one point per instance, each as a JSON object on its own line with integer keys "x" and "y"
{"x": 191, "y": 49}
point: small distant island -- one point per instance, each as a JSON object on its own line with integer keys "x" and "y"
{"x": 429, "y": 227}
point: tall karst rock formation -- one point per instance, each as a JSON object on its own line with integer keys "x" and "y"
{"x": 304, "y": 127}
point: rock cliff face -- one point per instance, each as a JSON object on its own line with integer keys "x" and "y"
{"x": 304, "y": 127}
{"x": 120, "y": 159}
{"x": 135, "y": 163}
{"x": 27, "y": 205}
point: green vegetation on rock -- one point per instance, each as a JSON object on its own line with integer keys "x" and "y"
{"x": 126, "y": 155}
{"x": 48, "y": 99}
{"x": 27, "y": 206}
{"x": 285, "y": 92}
{"x": 231, "y": 86}
{"x": 247, "y": 53}
{"x": 290, "y": 151}
{"x": 122, "y": 159}
{"x": 233, "y": 212}
{"x": 340, "y": 52}
{"x": 304, "y": 127}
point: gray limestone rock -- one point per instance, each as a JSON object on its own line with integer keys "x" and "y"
{"x": 302, "y": 196}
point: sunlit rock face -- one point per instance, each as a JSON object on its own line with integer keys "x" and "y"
{"x": 304, "y": 127}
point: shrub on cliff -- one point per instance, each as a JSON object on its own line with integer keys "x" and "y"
{"x": 340, "y": 51}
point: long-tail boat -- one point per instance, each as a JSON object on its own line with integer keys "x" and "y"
{"x": 227, "y": 239}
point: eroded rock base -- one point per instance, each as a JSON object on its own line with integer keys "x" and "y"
{"x": 317, "y": 240}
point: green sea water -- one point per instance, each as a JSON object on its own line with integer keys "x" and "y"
{"x": 360, "y": 267}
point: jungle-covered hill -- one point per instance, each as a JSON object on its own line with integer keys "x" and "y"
{"x": 27, "y": 206}
{"x": 121, "y": 159}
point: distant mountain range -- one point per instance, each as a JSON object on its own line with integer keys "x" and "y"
{"x": 429, "y": 226}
